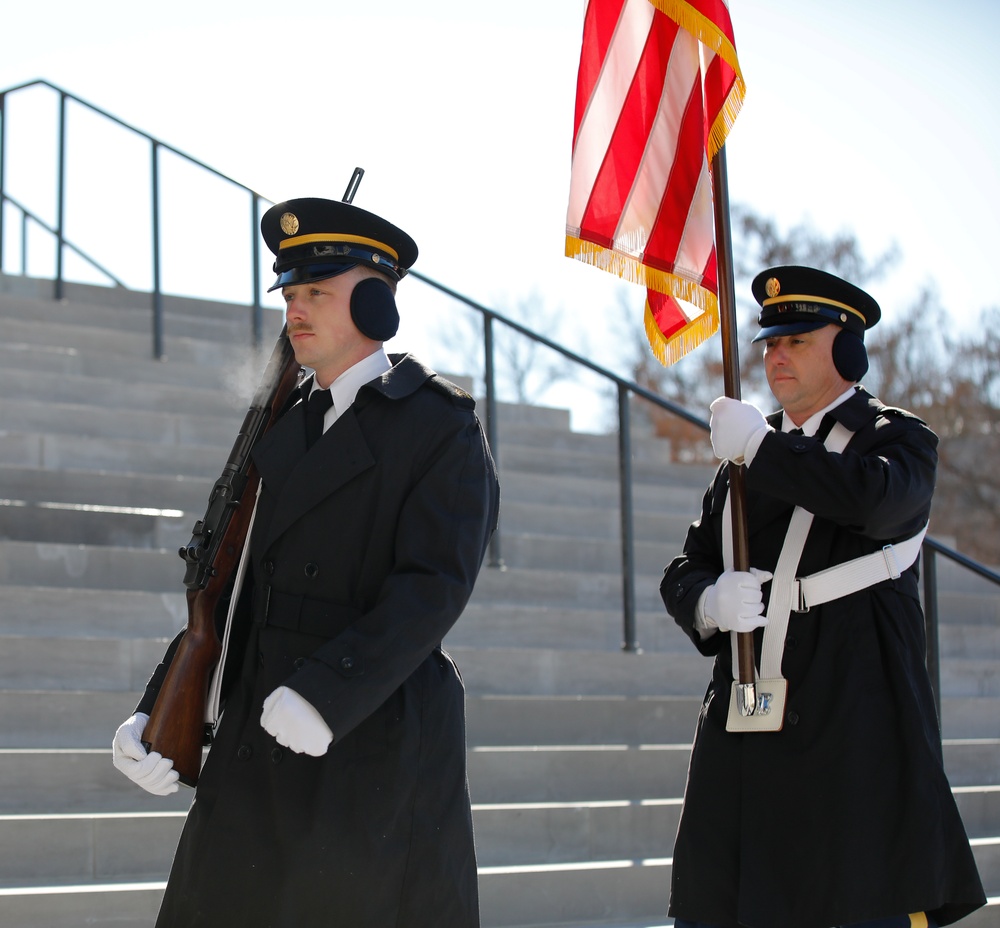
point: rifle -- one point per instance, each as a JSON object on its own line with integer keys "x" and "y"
{"x": 176, "y": 727}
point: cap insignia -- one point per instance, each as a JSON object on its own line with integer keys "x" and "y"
{"x": 289, "y": 223}
{"x": 772, "y": 288}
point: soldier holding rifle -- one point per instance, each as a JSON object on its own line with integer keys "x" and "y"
{"x": 829, "y": 805}
{"x": 335, "y": 791}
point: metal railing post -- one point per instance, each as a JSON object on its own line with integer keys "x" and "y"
{"x": 258, "y": 310}
{"x": 157, "y": 292}
{"x": 489, "y": 378}
{"x": 61, "y": 197}
{"x": 3, "y": 172}
{"x": 629, "y": 642}
{"x": 929, "y": 565}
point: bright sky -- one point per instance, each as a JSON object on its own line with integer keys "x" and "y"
{"x": 878, "y": 118}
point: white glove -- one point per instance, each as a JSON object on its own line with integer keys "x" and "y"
{"x": 153, "y": 772}
{"x": 738, "y": 428}
{"x": 735, "y": 601}
{"x": 295, "y": 723}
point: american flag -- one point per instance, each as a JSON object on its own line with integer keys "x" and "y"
{"x": 658, "y": 89}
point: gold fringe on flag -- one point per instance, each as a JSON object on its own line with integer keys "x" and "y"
{"x": 629, "y": 268}
{"x": 706, "y": 32}
{"x": 698, "y": 331}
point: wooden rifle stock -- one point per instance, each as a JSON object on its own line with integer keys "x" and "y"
{"x": 176, "y": 727}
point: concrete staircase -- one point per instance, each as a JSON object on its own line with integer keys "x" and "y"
{"x": 578, "y": 751}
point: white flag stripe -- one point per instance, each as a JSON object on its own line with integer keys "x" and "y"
{"x": 601, "y": 117}
{"x": 698, "y": 240}
{"x": 658, "y": 157}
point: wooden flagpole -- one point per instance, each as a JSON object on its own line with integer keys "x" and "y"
{"x": 746, "y": 691}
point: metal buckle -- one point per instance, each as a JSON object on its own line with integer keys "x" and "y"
{"x": 890, "y": 562}
{"x": 802, "y": 606}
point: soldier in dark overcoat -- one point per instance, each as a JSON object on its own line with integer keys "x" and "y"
{"x": 335, "y": 792}
{"x": 841, "y": 815}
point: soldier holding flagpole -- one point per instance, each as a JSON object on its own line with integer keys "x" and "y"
{"x": 829, "y": 806}
{"x": 816, "y": 795}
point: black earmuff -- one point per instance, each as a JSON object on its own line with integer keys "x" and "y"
{"x": 373, "y": 309}
{"x": 850, "y": 356}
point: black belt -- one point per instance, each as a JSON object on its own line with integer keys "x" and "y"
{"x": 301, "y": 613}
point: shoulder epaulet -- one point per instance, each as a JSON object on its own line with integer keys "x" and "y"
{"x": 453, "y": 391}
{"x": 897, "y": 412}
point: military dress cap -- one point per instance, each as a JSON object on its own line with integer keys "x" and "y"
{"x": 800, "y": 299}
{"x": 313, "y": 239}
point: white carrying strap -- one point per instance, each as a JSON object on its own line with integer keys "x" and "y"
{"x": 783, "y": 584}
{"x": 213, "y": 704}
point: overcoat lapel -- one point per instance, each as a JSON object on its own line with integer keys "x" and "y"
{"x": 300, "y": 480}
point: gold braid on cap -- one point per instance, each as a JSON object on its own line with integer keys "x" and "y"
{"x": 804, "y": 298}
{"x": 332, "y": 237}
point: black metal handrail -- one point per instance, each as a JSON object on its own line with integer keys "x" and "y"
{"x": 156, "y": 147}
{"x": 27, "y": 214}
{"x": 626, "y": 389}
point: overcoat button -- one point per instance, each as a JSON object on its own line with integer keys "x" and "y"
{"x": 245, "y": 752}
{"x": 790, "y": 642}
{"x": 312, "y": 570}
{"x": 269, "y": 566}
{"x": 346, "y": 663}
{"x": 299, "y": 662}
{"x": 792, "y": 718}
{"x": 276, "y": 755}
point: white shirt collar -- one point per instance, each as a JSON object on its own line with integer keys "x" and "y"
{"x": 345, "y": 388}
{"x": 811, "y": 425}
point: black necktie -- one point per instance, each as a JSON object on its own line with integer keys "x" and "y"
{"x": 319, "y": 402}
{"x": 795, "y": 432}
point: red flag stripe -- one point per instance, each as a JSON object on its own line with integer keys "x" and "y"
{"x": 606, "y": 103}
{"x": 627, "y": 146}
{"x": 599, "y": 26}
{"x": 658, "y": 89}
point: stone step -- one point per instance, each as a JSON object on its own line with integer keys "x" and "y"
{"x": 92, "y": 613}
{"x": 67, "y": 780}
{"x": 101, "y": 488}
{"x": 62, "y": 718}
{"x": 98, "y": 847}
{"x": 119, "y": 455}
{"x": 626, "y": 894}
{"x": 57, "y": 361}
{"x": 115, "y": 343}
{"x": 595, "y": 536}
{"x": 213, "y": 424}
{"x": 52, "y": 719}
{"x": 95, "y": 524}
{"x": 521, "y": 492}
{"x": 90, "y": 395}
{"x": 54, "y": 611}
{"x": 34, "y": 564}
{"x": 118, "y": 308}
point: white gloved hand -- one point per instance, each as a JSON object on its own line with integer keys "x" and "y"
{"x": 295, "y": 723}
{"x": 735, "y": 601}
{"x": 153, "y": 772}
{"x": 738, "y": 428}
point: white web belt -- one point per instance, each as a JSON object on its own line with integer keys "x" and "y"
{"x": 792, "y": 594}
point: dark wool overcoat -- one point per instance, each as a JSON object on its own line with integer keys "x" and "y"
{"x": 845, "y": 815}
{"x": 364, "y": 552}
